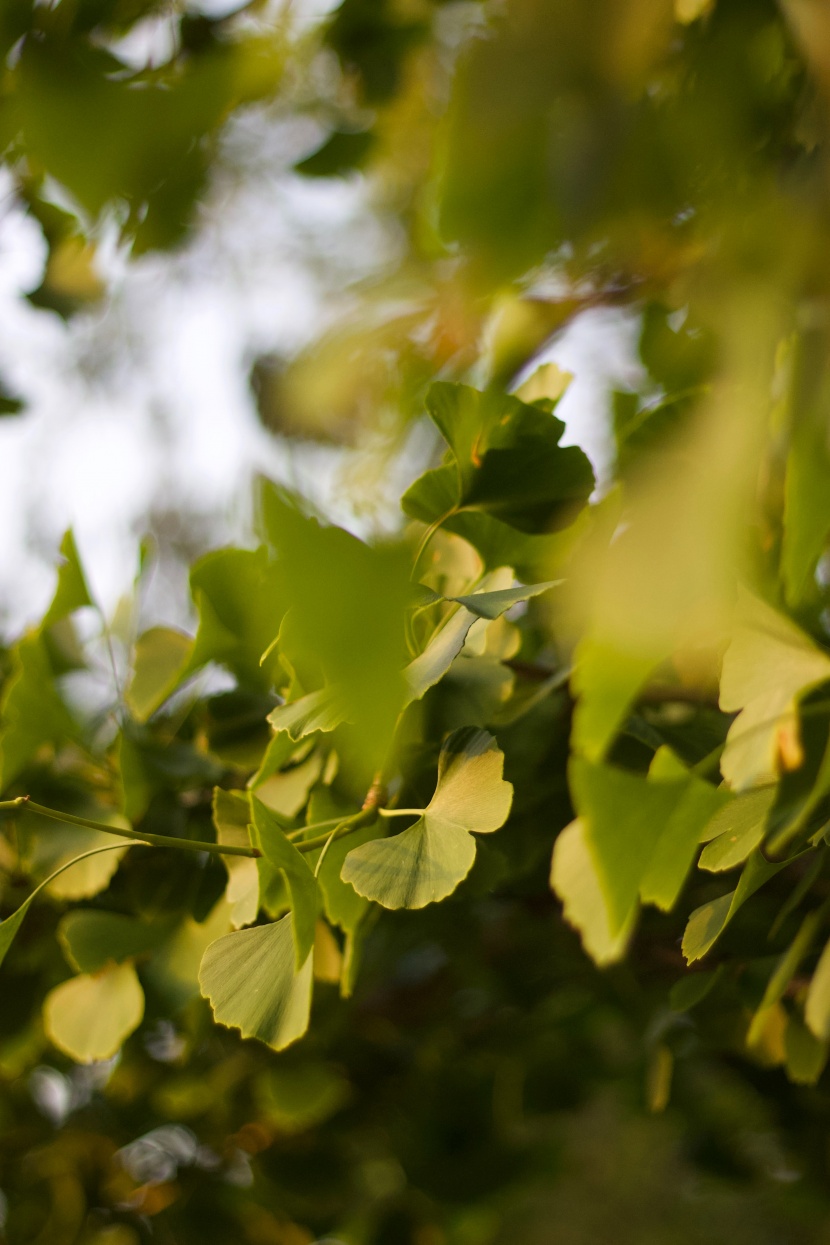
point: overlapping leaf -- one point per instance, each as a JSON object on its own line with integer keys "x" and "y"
{"x": 253, "y": 983}
{"x": 428, "y": 860}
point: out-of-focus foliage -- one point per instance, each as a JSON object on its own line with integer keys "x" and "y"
{"x": 622, "y": 695}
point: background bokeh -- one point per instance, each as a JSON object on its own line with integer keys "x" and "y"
{"x": 390, "y": 191}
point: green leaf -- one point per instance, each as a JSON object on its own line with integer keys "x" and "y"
{"x": 241, "y": 601}
{"x": 160, "y": 658}
{"x": 424, "y": 671}
{"x": 806, "y": 1056}
{"x": 231, "y": 817}
{"x": 574, "y": 878}
{"x": 767, "y": 665}
{"x": 71, "y": 592}
{"x": 10, "y": 926}
{"x": 693, "y": 989}
{"x": 302, "y": 885}
{"x": 707, "y": 923}
{"x": 817, "y": 1006}
{"x": 784, "y": 972}
{"x": 642, "y": 832}
{"x": 32, "y": 711}
{"x": 254, "y": 985}
{"x": 90, "y": 1017}
{"x": 173, "y": 970}
{"x": 506, "y": 462}
{"x": 318, "y": 711}
{"x": 348, "y": 602}
{"x": 92, "y": 939}
{"x": 298, "y": 1098}
{"x": 427, "y": 861}
{"x": 736, "y": 830}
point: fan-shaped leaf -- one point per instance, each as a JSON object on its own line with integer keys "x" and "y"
{"x": 90, "y": 1017}
{"x": 253, "y": 985}
{"x": 427, "y": 861}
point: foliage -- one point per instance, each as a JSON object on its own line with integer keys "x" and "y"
{"x": 620, "y": 693}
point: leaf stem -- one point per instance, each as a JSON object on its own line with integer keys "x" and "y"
{"x": 363, "y": 818}
{"x": 155, "y": 840}
{"x": 401, "y": 812}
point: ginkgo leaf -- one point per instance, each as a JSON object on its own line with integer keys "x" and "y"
{"x": 9, "y": 927}
{"x": 707, "y": 923}
{"x": 231, "y": 817}
{"x": 490, "y": 602}
{"x": 253, "y": 984}
{"x": 642, "y": 831}
{"x": 92, "y": 939}
{"x": 768, "y": 663}
{"x": 281, "y": 853}
{"x": 736, "y": 830}
{"x": 574, "y": 879}
{"x": 71, "y": 591}
{"x": 90, "y": 1017}
{"x": 159, "y": 660}
{"x": 507, "y": 461}
{"x": 173, "y": 969}
{"x": 817, "y": 1005}
{"x": 428, "y": 860}
{"x": 323, "y": 710}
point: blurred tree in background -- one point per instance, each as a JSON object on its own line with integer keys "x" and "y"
{"x": 584, "y": 994}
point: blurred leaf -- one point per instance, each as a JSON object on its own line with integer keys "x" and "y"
{"x": 90, "y": 1017}
{"x": 10, "y": 926}
{"x": 427, "y": 861}
{"x": 806, "y": 1055}
{"x": 769, "y": 662}
{"x": 71, "y": 592}
{"x": 817, "y": 1005}
{"x": 296, "y": 1098}
{"x": 642, "y": 832}
{"x": 574, "y": 878}
{"x": 505, "y": 462}
{"x": 240, "y": 599}
{"x": 91, "y": 939}
{"x": 707, "y": 923}
{"x": 736, "y": 830}
{"x": 348, "y": 614}
{"x": 253, "y": 984}
{"x": 231, "y": 817}
{"x": 161, "y": 654}
{"x": 159, "y": 657}
{"x": 341, "y": 153}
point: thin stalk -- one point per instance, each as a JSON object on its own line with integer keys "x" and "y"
{"x": 155, "y": 840}
{"x": 363, "y": 818}
{"x": 316, "y": 825}
{"x": 401, "y": 812}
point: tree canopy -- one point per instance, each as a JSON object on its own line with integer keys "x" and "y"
{"x": 322, "y": 915}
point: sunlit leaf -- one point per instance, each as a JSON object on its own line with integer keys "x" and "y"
{"x": 253, "y": 984}
{"x": 161, "y": 655}
{"x": 574, "y": 879}
{"x": 91, "y": 1016}
{"x": 707, "y": 923}
{"x": 427, "y": 861}
{"x": 769, "y": 662}
{"x": 736, "y": 830}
